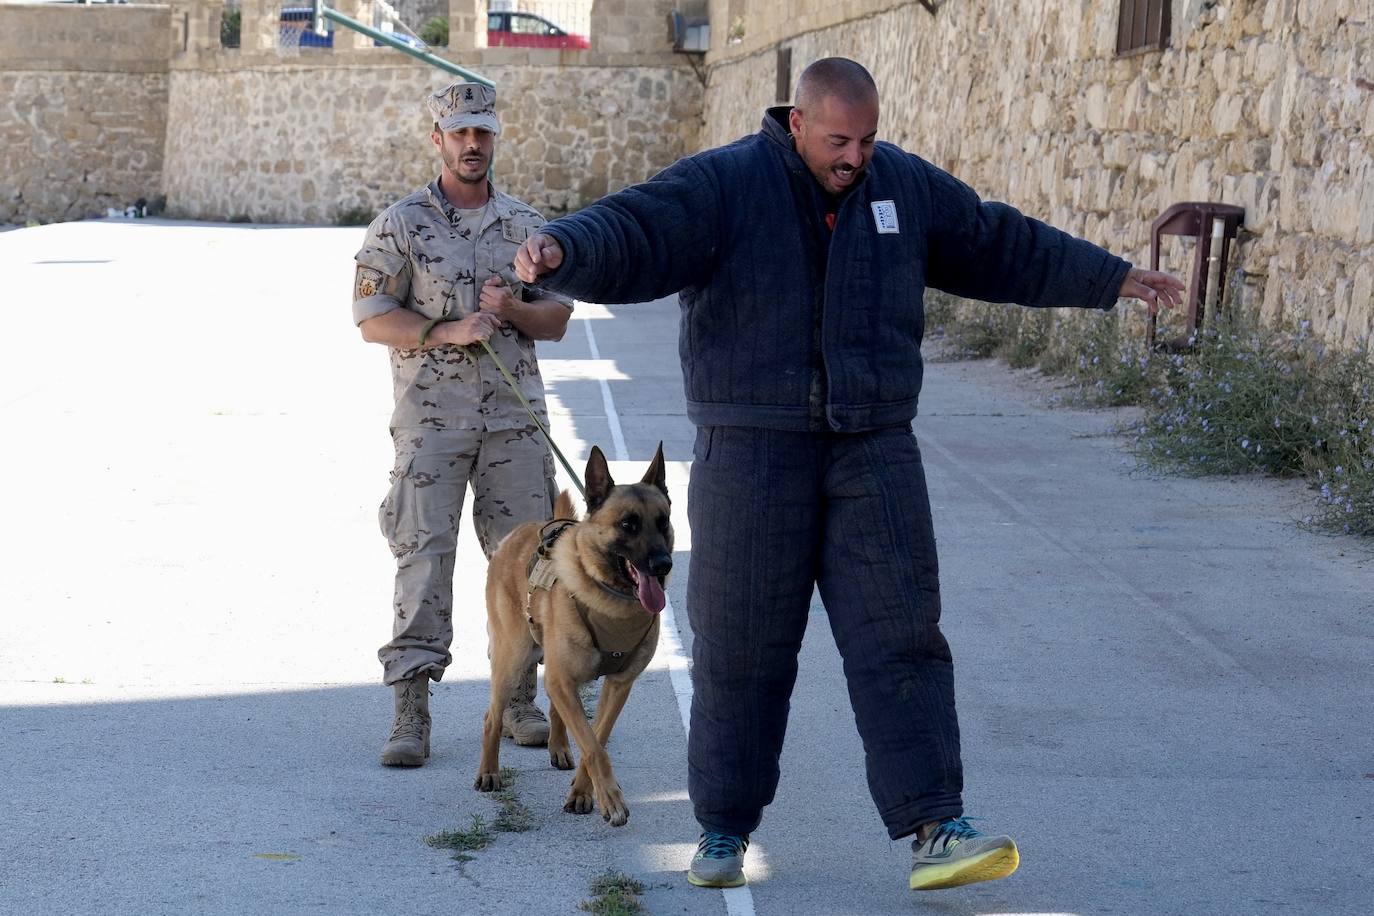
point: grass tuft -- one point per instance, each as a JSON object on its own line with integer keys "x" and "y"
{"x": 462, "y": 842}
{"x": 615, "y": 894}
{"x": 513, "y": 817}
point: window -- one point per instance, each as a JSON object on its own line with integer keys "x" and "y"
{"x": 783, "y": 94}
{"x": 1143, "y": 26}
{"x": 530, "y": 25}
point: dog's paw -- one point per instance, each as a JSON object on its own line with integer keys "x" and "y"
{"x": 561, "y": 759}
{"x": 487, "y": 782}
{"x": 578, "y": 802}
{"x": 614, "y": 811}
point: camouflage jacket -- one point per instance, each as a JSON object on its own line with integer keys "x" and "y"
{"x": 440, "y": 259}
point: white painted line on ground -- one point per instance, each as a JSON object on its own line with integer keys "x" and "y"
{"x": 613, "y": 418}
{"x": 738, "y": 900}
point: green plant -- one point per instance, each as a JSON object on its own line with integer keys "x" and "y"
{"x": 461, "y": 842}
{"x": 353, "y": 216}
{"x": 977, "y": 330}
{"x": 1249, "y": 400}
{"x": 230, "y": 27}
{"x": 1107, "y": 367}
{"x": 435, "y": 32}
{"x": 514, "y": 817}
{"x": 615, "y": 894}
{"x": 1241, "y": 402}
{"x": 1029, "y": 338}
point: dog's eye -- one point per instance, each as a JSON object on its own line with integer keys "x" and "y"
{"x": 663, "y": 524}
{"x": 629, "y": 524}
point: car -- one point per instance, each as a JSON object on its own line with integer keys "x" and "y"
{"x": 296, "y": 21}
{"x": 529, "y": 30}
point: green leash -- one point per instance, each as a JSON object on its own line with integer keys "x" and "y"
{"x": 530, "y": 410}
{"x": 510, "y": 380}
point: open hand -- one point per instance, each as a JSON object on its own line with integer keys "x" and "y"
{"x": 1153, "y": 287}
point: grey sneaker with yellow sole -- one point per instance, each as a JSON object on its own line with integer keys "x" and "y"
{"x": 719, "y": 861}
{"x": 957, "y": 853}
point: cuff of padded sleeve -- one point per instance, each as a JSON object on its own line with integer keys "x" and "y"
{"x": 1114, "y": 274}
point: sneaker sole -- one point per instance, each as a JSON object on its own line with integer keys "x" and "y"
{"x": 732, "y": 881}
{"x": 988, "y": 866}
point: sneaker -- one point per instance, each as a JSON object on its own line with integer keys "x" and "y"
{"x": 719, "y": 861}
{"x": 957, "y": 853}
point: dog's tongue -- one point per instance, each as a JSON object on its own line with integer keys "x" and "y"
{"x": 649, "y": 591}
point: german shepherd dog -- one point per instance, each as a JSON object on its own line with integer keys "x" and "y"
{"x": 587, "y": 594}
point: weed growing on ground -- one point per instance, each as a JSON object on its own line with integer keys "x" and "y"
{"x": 1242, "y": 399}
{"x": 514, "y": 817}
{"x": 462, "y": 842}
{"x": 1241, "y": 402}
{"x": 615, "y": 894}
{"x": 1248, "y": 399}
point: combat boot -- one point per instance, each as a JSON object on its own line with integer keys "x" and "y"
{"x": 522, "y": 720}
{"x": 408, "y": 745}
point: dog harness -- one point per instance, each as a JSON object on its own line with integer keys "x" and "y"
{"x": 541, "y": 574}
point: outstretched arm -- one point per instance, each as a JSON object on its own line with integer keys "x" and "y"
{"x": 647, "y": 241}
{"x": 991, "y": 251}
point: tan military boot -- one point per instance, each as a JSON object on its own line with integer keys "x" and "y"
{"x": 408, "y": 745}
{"x": 522, "y": 720}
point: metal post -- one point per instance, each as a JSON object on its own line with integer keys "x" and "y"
{"x": 322, "y": 12}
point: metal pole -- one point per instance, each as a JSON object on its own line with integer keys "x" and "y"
{"x": 388, "y": 39}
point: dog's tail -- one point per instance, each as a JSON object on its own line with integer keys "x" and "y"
{"x": 563, "y": 506}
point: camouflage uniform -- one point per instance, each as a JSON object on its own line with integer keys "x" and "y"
{"x": 456, "y": 422}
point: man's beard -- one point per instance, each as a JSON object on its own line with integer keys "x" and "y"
{"x": 459, "y": 168}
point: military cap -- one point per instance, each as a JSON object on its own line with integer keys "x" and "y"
{"x": 465, "y": 105}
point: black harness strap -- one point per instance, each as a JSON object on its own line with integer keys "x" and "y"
{"x": 541, "y": 575}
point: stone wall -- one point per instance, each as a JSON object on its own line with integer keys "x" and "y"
{"x": 320, "y": 134}
{"x": 309, "y": 142}
{"x": 83, "y": 108}
{"x": 102, "y": 105}
{"x": 1268, "y": 104}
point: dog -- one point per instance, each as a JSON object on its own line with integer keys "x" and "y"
{"x": 587, "y": 595}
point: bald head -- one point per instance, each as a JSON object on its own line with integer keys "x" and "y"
{"x": 840, "y": 77}
{"x": 835, "y": 122}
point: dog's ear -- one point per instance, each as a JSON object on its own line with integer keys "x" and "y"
{"x": 656, "y": 475}
{"x": 599, "y": 480}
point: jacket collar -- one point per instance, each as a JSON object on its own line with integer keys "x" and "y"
{"x": 778, "y": 132}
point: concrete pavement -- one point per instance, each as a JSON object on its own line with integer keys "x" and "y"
{"x": 1164, "y": 684}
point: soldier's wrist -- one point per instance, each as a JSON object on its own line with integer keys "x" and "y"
{"x": 431, "y": 333}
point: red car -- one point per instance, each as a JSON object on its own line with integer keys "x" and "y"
{"x": 526, "y": 30}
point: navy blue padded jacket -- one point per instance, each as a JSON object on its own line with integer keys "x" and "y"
{"x": 727, "y": 229}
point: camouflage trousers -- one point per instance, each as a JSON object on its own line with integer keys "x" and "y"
{"x": 511, "y": 474}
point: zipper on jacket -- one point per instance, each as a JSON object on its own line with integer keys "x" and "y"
{"x": 829, "y": 272}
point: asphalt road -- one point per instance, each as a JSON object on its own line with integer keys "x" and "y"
{"x": 1165, "y": 684}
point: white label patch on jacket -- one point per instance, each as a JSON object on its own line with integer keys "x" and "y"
{"x": 885, "y": 216}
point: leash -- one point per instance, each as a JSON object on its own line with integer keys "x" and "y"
{"x": 510, "y": 380}
{"x": 505, "y": 273}
{"x": 530, "y": 410}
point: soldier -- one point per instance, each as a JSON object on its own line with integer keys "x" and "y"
{"x": 432, "y": 282}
